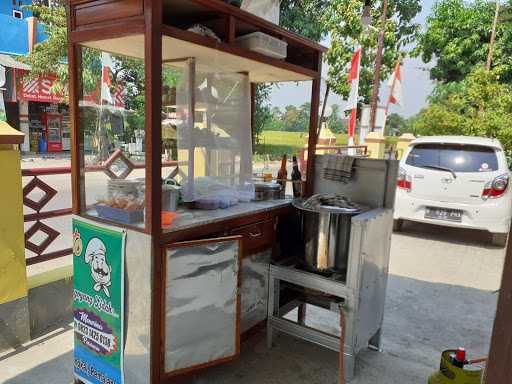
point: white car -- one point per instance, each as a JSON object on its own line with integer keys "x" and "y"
{"x": 455, "y": 181}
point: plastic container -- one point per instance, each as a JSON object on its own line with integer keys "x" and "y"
{"x": 168, "y": 218}
{"x": 208, "y": 204}
{"x": 266, "y": 9}
{"x": 170, "y": 195}
{"x": 227, "y": 201}
{"x": 264, "y": 44}
{"x": 267, "y": 191}
{"x": 119, "y": 215}
{"x": 123, "y": 188}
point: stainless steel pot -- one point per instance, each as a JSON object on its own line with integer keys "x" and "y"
{"x": 267, "y": 191}
{"x": 326, "y": 236}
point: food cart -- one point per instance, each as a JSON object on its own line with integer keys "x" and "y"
{"x": 188, "y": 291}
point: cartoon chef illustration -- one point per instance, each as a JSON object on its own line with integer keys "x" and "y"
{"x": 95, "y": 256}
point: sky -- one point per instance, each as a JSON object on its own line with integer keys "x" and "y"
{"x": 415, "y": 77}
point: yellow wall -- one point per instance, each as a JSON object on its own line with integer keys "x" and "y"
{"x": 376, "y": 144}
{"x": 13, "y": 275}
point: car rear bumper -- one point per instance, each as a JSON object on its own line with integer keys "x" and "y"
{"x": 493, "y": 215}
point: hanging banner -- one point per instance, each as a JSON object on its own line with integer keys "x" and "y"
{"x": 98, "y": 296}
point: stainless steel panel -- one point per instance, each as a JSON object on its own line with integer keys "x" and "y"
{"x": 201, "y": 304}
{"x": 255, "y": 271}
{"x": 308, "y": 334}
{"x": 376, "y": 230}
{"x": 373, "y": 183}
{"x": 277, "y": 321}
{"x": 313, "y": 281}
{"x": 138, "y": 278}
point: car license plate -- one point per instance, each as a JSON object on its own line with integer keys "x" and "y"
{"x": 443, "y": 214}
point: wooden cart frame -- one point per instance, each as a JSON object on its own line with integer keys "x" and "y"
{"x": 92, "y": 21}
{"x": 96, "y": 20}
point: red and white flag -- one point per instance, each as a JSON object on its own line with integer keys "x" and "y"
{"x": 106, "y": 81}
{"x": 396, "y": 94}
{"x": 353, "y": 79}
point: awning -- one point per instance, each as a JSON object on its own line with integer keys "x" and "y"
{"x": 8, "y": 61}
{"x": 9, "y": 135}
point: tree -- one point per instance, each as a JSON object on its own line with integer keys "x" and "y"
{"x": 335, "y": 120}
{"x": 341, "y": 19}
{"x": 396, "y": 125}
{"x": 480, "y": 106}
{"x": 297, "y": 17}
{"x": 304, "y": 17}
{"x": 263, "y": 113}
{"x": 48, "y": 56}
{"x": 457, "y": 39}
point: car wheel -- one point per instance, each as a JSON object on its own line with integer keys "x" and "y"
{"x": 397, "y": 225}
{"x": 499, "y": 239}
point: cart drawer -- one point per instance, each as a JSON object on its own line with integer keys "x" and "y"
{"x": 256, "y": 237}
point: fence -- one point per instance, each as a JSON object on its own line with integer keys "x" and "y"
{"x": 110, "y": 168}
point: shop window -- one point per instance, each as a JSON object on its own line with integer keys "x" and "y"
{"x": 206, "y": 120}
{"x": 112, "y": 126}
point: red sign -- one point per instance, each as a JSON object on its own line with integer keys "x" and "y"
{"x": 40, "y": 90}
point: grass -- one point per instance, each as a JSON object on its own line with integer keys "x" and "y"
{"x": 277, "y": 143}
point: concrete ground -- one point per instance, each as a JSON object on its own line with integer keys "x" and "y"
{"x": 441, "y": 295}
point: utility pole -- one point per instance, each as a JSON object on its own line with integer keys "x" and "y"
{"x": 378, "y": 66}
{"x": 493, "y": 36}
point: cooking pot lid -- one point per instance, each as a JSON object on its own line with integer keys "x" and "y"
{"x": 267, "y": 186}
{"x": 333, "y": 204}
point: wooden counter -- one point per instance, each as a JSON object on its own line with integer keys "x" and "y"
{"x": 252, "y": 220}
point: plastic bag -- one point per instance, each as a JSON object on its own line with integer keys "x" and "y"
{"x": 266, "y": 9}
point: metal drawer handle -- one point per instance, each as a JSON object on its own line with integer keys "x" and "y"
{"x": 254, "y": 235}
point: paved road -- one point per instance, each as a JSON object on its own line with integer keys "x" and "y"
{"x": 440, "y": 295}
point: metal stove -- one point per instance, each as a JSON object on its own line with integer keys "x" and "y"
{"x": 358, "y": 284}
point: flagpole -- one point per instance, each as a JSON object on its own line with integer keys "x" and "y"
{"x": 378, "y": 66}
{"x": 393, "y": 85}
{"x": 353, "y": 113}
{"x": 493, "y": 37}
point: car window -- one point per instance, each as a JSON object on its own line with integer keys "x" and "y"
{"x": 457, "y": 157}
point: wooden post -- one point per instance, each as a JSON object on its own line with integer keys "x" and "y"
{"x": 378, "y": 66}
{"x": 499, "y": 369}
{"x": 313, "y": 129}
{"x": 153, "y": 109}
{"x": 74, "y": 89}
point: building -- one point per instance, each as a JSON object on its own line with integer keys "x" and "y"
{"x": 30, "y": 106}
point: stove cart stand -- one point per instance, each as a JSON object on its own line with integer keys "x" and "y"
{"x": 358, "y": 278}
